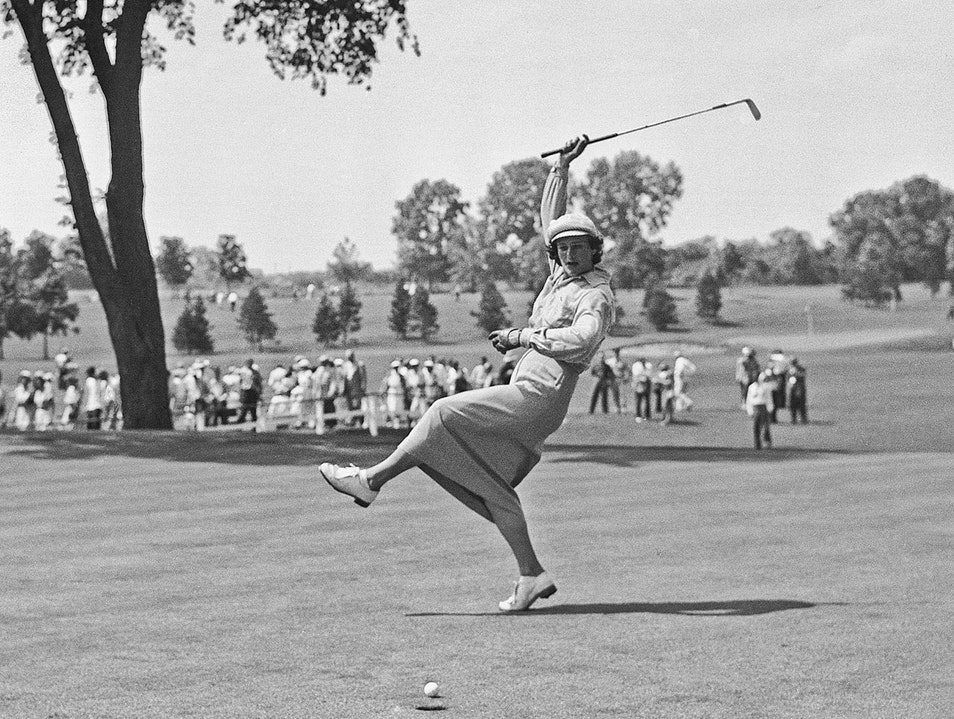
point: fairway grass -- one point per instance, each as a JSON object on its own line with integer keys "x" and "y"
{"x": 151, "y": 575}
{"x": 154, "y": 575}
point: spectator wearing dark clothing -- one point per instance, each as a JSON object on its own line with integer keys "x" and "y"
{"x": 746, "y": 371}
{"x": 250, "y": 391}
{"x": 604, "y": 379}
{"x": 797, "y": 392}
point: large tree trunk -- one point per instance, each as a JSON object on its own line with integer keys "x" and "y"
{"x": 124, "y": 278}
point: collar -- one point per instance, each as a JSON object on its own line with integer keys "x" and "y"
{"x": 594, "y": 278}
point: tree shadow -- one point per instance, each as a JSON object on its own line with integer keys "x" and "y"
{"x": 725, "y": 323}
{"x": 299, "y": 448}
{"x": 629, "y": 456}
{"x": 726, "y": 608}
{"x": 295, "y": 448}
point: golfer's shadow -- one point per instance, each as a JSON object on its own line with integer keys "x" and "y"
{"x": 727, "y": 608}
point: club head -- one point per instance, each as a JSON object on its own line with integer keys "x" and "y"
{"x": 753, "y": 109}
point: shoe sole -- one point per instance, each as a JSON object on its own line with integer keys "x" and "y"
{"x": 360, "y": 502}
{"x": 545, "y": 594}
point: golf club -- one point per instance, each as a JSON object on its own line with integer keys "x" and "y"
{"x": 752, "y": 108}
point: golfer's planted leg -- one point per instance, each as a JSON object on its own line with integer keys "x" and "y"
{"x": 534, "y": 583}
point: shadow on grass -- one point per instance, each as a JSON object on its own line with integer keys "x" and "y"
{"x": 304, "y": 449}
{"x": 239, "y": 448}
{"x": 628, "y": 456}
{"x": 728, "y": 608}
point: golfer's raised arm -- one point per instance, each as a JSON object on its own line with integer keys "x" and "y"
{"x": 553, "y": 203}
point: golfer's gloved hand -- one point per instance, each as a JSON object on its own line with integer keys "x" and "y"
{"x": 505, "y": 340}
{"x": 573, "y": 149}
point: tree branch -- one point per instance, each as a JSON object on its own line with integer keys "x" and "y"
{"x": 96, "y": 45}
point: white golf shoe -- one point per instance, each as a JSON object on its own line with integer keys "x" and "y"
{"x": 349, "y": 480}
{"x": 527, "y": 591}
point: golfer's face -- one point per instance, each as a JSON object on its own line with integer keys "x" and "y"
{"x": 575, "y": 255}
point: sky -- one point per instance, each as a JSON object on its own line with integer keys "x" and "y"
{"x": 854, "y": 96}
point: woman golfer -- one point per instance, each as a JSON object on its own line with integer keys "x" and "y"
{"x": 480, "y": 444}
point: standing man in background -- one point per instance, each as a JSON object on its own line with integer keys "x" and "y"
{"x": 746, "y": 371}
{"x": 760, "y": 405}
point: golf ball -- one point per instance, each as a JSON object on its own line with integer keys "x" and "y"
{"x": 431, "y": 689}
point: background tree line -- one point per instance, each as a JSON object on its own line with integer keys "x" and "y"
{"x": 880, "y": 238}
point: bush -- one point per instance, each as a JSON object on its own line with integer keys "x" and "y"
{"x": 708, "y": 297}
{"x": 491, "y": 313}
{"x": 423, "y": 317}
{"x": 660, "y": 308}
{"x": 349, "y": 311}
{"x": 192, "y": 333}
{"x": 255, "y": 320}
{"x": 400, "y": 310}
{"x": 327, "y": 325}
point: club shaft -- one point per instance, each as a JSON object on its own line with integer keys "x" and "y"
{"x": 751, "y": 105}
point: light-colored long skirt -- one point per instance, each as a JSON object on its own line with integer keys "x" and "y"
{"x": 480, "y": 444}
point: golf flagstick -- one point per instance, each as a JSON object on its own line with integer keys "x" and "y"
{"x": 751, "y": 105}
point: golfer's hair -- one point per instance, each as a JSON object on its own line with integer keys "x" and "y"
{"x": 596, "y": 243}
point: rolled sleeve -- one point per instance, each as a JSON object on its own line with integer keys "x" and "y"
{"x": 553, "y": 203}
{"x": 577, "y": 342}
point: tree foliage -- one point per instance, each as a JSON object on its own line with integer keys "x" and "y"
{"x": 41, "y": 303}
{"x": 75, "y": 272}
{"x": 428, "y": 224}
{"x": 233, "y": 264}
{"x": 907, "y": 228}
{"x": 869, "y": 278}
{"x": 345, "y": 267}
{"x": 637, "y": 262}
{"x": 509, "y": 217}
{"x": 254, "y": 319}
{"x": 174, "y": 263}
{"x": 632, "y": 196}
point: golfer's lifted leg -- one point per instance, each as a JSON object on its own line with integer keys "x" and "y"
{"x": 364, "y": 485}
{"x": 489, "y": 438}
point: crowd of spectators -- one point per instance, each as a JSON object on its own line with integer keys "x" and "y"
{"x": 202, "y": 395}
{"x": 661, "y": 389}
{"x": 780, "y": 384}
{"x": 43, "y": 400}
{"x": 412, "y": 385}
